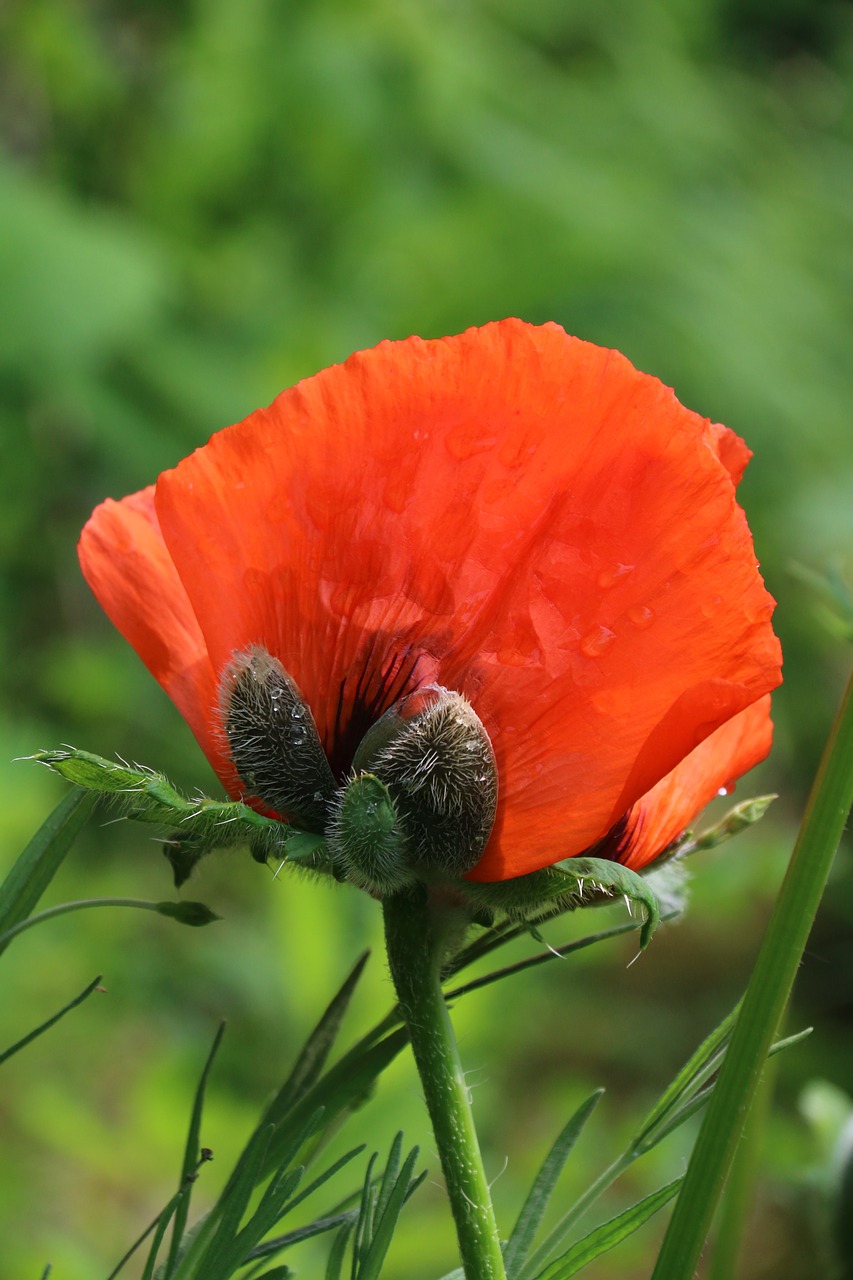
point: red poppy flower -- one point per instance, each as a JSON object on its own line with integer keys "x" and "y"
{"x": 511, "y": 513}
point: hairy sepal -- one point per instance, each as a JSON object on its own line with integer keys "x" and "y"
{"x": 197, "y": 825}
{"x": 568, "y": 885}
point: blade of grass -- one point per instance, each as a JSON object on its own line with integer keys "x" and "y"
{"x": 609, "y": 1234}
{"x": 317, "y": 1047}
{"x": 534, "y": 1207}
{"x": 315, "y": 1228}
{"x": 386, "y": 1223}
{"x": 191, "y": 1156}
{"x": 38, "y": 864}
{"x": 32, "y": 1035}
{"x": 335, "y": 1264}
{"x": 764, "y": 1002}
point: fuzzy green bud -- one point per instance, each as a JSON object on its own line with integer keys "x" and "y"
{"x": 365, "y": 838}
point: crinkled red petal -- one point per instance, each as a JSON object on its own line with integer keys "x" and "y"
{"x": 512, "y": 512}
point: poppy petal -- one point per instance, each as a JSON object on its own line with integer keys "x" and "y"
{"x": 667, "y": 810}
{"x": 125, "y": 562}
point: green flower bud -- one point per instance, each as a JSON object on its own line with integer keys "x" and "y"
{"x": 434, "y": 756}
{"x": 273, "y": 740}
{"x": 365, "y": 838}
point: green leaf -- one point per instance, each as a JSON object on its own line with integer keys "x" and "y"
{"x": 534, "y": 1207}
{"x": 609, "y": 1234}
{"x": 231, "y": 1208}
{"x": 345, "y": 1086}
{"x": 316, "y": 1050}
{"x": 542, "y": 957}
{"x": 315, "y": 1228}
{"x": 166, "y": 1216}
{"x": 42, "y": 858}
{"x": 337, "y": 1253}
{"x": 386, "y": 1222}
{"x": 688, "y": 1080}
{"x": 72, "y": 1004}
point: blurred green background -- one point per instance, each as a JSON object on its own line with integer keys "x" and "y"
{"x": 201, "y": 203}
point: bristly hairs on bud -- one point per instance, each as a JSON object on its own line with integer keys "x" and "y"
{"x": 272, "y": 739}
{"x": 365, "y": 838}
{"x": 434, "y": 756}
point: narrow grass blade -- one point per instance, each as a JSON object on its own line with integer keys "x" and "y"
{"x": 32, "y": 1035}
{"x": 764, "y": 1003}
{"x": 234, "y": 1201}
{"x": 337, "y": 1253}
{"x": 688, "y": 1079}
{"x": 325, "y": 1176}
{"x": 344, "y": 1086}
{"x": 42, "y": 858}
{"x": 542, "y": 957}
{"x": 385, "y": 1225}
{"x": 389, "y": 1177}
{"x": 534, "y": 1207}
{"x": 362, "y": 1226}
{"x": 162, "y": 1227}
{"x": 316, "y": 1050}
{"x": 290, "y": 1238}
{"x": 609, "y": 1234}
{"x": 191, "y": 1155}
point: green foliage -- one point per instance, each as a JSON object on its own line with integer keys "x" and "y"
{"x": 201, "y": 203}
{"x": 38, "y": 864}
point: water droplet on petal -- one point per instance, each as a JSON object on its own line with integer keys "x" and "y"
{"x": 609, "y": 577}
{"x": 597, "y": 641}
{"x": 641, "y": 616}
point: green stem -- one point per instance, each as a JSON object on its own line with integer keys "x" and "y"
{"x": 82, "y": 904}
{"x": 764, "y": 1002}
{"x": 415, "y": 936}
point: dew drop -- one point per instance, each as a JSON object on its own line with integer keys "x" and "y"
{"x": 609, "y": 577}
{"x": 641, "y": 616}
{"x": 727, "y": 789}
{"x": 597, "y": 641}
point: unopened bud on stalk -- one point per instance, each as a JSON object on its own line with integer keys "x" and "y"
{"x": 434, "y": 756}
{"x": 272, "y": 738}
{"x": 366, "y": 839}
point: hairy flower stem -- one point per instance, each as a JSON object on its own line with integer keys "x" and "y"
{"x": 416, "y": 934}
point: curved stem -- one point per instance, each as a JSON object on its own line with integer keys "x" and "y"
{"x": 82, "y": 904}
{"x": 415, "y": 936}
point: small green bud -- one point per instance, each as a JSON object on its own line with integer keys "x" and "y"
{"x": 273, "y": 740}
{"x": 365, "y": 838}
{"x": 743, "y": 815}
{"x": 433, "y": 754}
{"x": 195, "y": 914}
